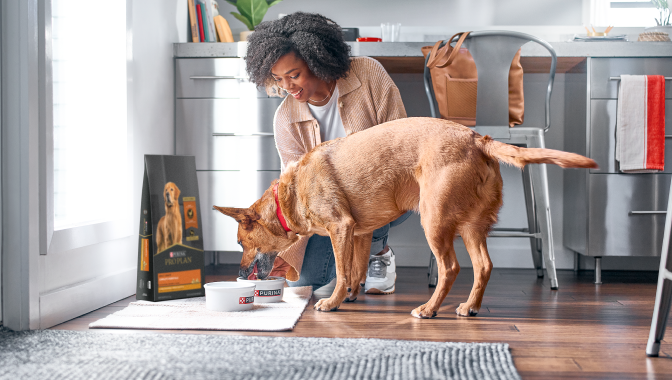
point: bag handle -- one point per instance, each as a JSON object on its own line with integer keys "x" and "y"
{"x": 434, "y": 57}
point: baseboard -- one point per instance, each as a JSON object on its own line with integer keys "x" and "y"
{"x": 64, "y": 304}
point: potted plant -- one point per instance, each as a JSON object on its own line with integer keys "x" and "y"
{"x": 251, "y": 13}
{"x": 664, "y": 10}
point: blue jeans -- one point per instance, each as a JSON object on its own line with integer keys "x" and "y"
{"x": 319, "y": 265}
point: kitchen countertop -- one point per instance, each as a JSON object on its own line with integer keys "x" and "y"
{"x": 406, "y": 57}
{"x": 412, "y": 49}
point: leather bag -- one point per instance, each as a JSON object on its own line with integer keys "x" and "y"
{"x": 455, "y": 82}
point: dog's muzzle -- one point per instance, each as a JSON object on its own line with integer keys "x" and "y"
{"x": 264, "y": 262}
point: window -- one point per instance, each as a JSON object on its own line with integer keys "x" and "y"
{"x": 630, "y": 13}
{"x": 89, "y": 112}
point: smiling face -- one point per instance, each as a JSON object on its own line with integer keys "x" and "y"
{"x": 293, "y": 75}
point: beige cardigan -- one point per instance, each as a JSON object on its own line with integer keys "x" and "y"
{"x": 367, "y": 97}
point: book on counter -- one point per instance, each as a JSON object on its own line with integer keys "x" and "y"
{"x": 209, "y": 20}
{"x": 199, "y": 13}
{"x": 206, "y": 24}
{"x": 193, "y": 22}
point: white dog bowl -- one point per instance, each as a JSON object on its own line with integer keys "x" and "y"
{"x": 268, "y": 290}
{"x": 229, "y": 296}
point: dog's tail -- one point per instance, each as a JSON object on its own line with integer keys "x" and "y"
{"x": 519, "y": 157}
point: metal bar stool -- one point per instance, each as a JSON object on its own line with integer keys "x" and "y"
{"x": 493, "y": 52}
{"x": 661, "y": 310}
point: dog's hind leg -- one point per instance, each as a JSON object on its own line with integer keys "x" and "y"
{"x": 342, "y": 240}
{"x": 440, "y": 235}
{"x": 474, "y": 237}
{"x": 360, "y": 264}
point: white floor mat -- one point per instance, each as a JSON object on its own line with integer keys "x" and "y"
{"x": 191, "y": 314}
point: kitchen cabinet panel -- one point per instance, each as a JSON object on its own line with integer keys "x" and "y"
{"x": 239, "y": 116}
{"x": 602, "y": 69}
{"x": 213, "y": 78}
{"x": 627, "y": 214}
{"x": 228, "y": 189}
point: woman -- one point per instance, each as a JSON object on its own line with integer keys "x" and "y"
{"x": 328, "y": 95}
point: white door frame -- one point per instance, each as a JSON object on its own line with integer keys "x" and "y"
{"x": 21, "y": 164}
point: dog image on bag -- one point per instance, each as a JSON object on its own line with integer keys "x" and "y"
{"x": 169, "y": 229}
{"x": 348, "y": 187}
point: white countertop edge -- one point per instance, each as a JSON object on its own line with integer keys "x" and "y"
{"x": 412, "y": 49}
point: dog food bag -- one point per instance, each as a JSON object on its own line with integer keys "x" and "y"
{"x": 170, "y": 245}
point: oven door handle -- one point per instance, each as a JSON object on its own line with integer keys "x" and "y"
{"x": 213, "y": 77}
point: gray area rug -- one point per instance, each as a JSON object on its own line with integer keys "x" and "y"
{"x": 53, "y": 354}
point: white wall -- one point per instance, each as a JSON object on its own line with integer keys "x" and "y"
{"x": 430, "y": 14}
{"x": 157, "y": 24}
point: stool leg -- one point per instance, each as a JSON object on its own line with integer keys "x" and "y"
{"x": 432, "y": 271}
{"x": 542, "y": 199}
{"x": 532, "y": 225}
{"x": 661, "y": 308}
{"x": 598, "y": 270}
{"x": 661, "y": 312}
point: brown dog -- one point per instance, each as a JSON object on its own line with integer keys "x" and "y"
{"x": 169, "y": 229}
{"x": 346, "y": 188}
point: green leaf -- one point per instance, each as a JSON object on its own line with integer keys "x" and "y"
{"x": 253, "y": 10}
{"x": 243, "y": 20}
{"x": 272, "y": 2}
{"x": 231, "y": 2}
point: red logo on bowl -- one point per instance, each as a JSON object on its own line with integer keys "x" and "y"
{"x": 245, "y": 300}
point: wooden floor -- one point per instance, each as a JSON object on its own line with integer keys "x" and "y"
{"x": 581, "y": 331}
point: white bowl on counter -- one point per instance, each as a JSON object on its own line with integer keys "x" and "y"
{"x": 268, "y": 290}
{"x": 229, "y": 296}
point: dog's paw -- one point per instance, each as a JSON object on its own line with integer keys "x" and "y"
{"x": 423, "y": 312}
{"x": 325, "y": 304}
{"x": 353, "y": 293}
{"x": 465, "y": 310}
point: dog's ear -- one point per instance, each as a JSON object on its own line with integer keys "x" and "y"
{"x": 245, "y": 216}
{"x": 177, "y": 192}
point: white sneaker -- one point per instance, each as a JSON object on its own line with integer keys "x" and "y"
{"x": 325, "y": 291}
{"x": 381, "y": 275}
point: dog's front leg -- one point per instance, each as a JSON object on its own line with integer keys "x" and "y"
{"x": 342, "y": 241}
{"x": 360, "y": 264}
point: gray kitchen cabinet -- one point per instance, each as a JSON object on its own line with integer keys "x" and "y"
{"x": 227, "y": 124}
{"x": 606, "y": 212}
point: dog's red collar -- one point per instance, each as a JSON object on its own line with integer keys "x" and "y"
{"x": 277, "y": 209}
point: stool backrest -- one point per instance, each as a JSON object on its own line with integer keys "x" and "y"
{"x": 493, "y": 52}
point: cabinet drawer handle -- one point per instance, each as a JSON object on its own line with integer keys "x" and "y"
{"x": 244, "y": 134}
{"x": 647, "y": 213}
{"x": 218, "y": 77}
{"x": 619, "y": 78}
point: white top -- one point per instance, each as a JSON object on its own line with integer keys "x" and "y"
{"x": 329, "y": 119}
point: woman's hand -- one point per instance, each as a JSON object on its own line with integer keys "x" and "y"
{"x": 280, "y": 269}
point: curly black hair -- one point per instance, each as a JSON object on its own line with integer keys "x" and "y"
{"x": 315, "y": 39}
